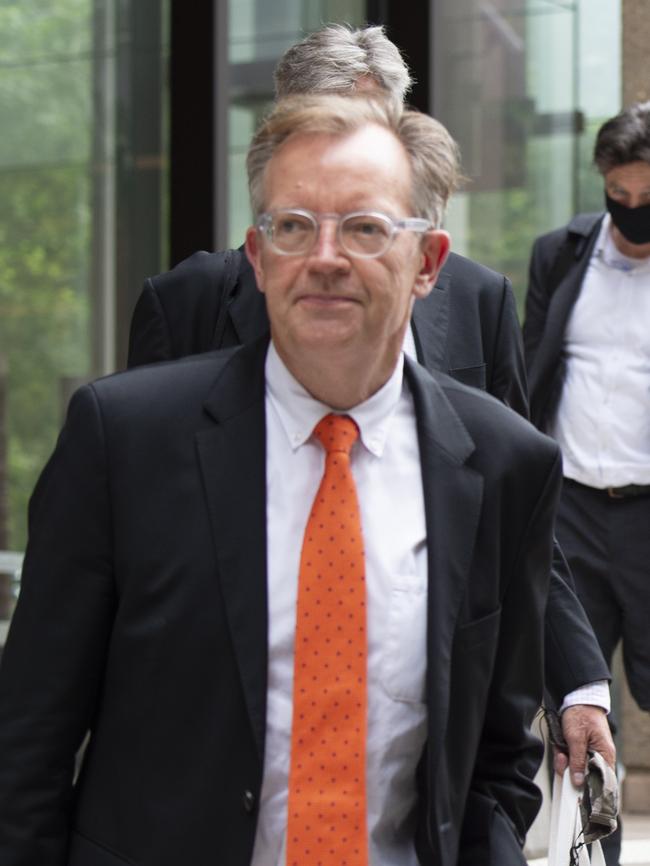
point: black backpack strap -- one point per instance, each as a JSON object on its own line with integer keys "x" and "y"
{"x": 228, "y": 279}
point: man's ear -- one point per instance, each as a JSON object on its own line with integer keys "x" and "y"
{"x": 434, "y": 251}
{"x": 253, "y": 249}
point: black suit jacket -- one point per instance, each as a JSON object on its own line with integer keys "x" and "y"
{"x": 143, "y": 617}
{"x": 558, "y": 264}
{"x": 467, "y": 326}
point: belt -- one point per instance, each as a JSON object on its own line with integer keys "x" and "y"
{"x": 628, "y": 490}
{"x": 625, "y": 492}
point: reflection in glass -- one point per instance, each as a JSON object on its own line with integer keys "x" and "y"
{"x": 523, "y": 85}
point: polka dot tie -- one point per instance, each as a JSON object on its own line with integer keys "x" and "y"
{"x": 327, "y": 777}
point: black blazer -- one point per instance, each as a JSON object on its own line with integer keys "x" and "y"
{"x": 467, "y": 326}
{"x": 143, "y": 617}
{"x": 558, "y": 264}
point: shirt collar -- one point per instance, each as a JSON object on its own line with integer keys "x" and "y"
{"x": 299, "y": 412}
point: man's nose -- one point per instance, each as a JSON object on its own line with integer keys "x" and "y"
{"x": 327, "y": 253}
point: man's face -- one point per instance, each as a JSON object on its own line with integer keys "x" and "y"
{"x": 627, "y": 188}
{"x": 629, "y": 184}
{"x": 327, "y": 303}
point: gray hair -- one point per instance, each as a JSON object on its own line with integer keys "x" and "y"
{"x": 624, "y": 138}
{"x": 432, "y": 152}
{"x": 334, "y": 58}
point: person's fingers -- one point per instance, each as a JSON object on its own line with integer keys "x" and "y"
{"x": 600, "y": 740}
{"x": 575, "y": 734}
{"x": 560, "y": 760}
{"x": 585, "y": 728}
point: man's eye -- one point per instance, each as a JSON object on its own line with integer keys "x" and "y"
{"x": 291, "y": 225}
{"x": 366, "y": 228}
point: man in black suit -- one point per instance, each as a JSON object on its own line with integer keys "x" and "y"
{"x": 467, "y": 326}
{"x": 158, "y": 604}
{"x": 586, "y": 341}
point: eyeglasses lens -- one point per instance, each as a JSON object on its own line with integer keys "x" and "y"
{"x": 363, "y": 235}
{"x": 292, "y": 232}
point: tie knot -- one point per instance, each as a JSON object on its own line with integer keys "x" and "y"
{"x": 336, "y": 433}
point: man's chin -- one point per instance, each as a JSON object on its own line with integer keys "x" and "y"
{"x": 334, "y": 325}
{"x": 327, "y": 338}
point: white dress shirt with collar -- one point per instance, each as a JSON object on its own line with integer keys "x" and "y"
{"x": 386, "y": 467}
{"x": 603, "y": 419}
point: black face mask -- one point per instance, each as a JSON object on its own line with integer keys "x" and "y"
{"x": 632, "y": 222}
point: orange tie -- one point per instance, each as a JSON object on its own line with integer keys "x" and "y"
{"x": 327, "y": 777}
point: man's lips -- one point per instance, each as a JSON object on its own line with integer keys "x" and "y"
{"x": 318, "y": 299}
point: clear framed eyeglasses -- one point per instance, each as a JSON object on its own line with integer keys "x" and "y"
{"x": 362, "y": 234}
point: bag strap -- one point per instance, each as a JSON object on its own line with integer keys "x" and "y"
{"x": 565, "y": 847}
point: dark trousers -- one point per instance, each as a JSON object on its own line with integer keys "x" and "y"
{"x": 607, "y": 544}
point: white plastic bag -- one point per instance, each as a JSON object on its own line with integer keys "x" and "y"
{"x": 565, "y": 847}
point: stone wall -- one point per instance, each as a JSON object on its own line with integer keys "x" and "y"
{"x": 635, "y": 51}
{"x": 634, "y": 748}
{"x": 635, "y": 725}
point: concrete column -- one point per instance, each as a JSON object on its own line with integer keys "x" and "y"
{"x": 635, "y": 53}
{"x": 634, "y": 747}
{"x": 635, "y": 725}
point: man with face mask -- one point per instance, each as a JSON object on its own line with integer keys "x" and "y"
{"x": 588, "y": 359}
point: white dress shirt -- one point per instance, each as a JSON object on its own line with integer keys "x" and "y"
{"x": 386, "y": 467}
{"x": 603, "y": 419}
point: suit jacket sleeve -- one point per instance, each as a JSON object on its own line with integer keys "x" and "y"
{"x": 503, "y": 799}
{"x": 538, "y": 295}
{"x": 573, "y": 656}
{"x": 53, "y": 661}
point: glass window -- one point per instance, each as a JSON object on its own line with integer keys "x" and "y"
{"x": 259, "y": 33}
{"x": 523, "y": 85}
{"x": 81, "y": 158}
{"x": 45, "y": 232}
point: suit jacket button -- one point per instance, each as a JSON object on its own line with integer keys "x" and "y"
{"x": 248, "y": 801}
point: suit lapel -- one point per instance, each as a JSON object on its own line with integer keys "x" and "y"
{"x": 430, "y": 322}
{"x": 550, "y": 348}
{"x": 233, "y": 464}
{"x": 562, "y": 302}
{"x": 453, "y": 494}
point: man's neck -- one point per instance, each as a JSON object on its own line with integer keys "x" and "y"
{"x": 342, "y": 382}
{"x": 632, "y": 251}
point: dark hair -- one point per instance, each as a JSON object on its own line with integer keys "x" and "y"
{"x": 624, "y": 138}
